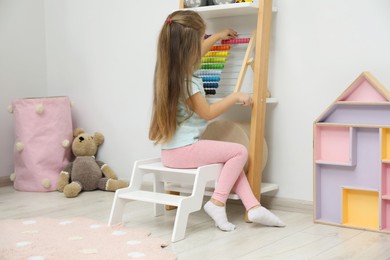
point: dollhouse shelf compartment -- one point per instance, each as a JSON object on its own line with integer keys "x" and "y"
{"x": 225, "y": 10}
{"x": 385, "y": 181}
{"x": 358, "y": 113}
{"x": 342, "y": 137}
{"x": 386, "y": 145}
{"x": 386, "y": 215}
{"x": 360, "y": 208}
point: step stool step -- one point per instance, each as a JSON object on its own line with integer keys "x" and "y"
{"x": 188, "y": 189}
{"x": 154, "y": 197}
{"x": 158, "y": 166}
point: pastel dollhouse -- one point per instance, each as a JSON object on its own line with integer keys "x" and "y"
{"x": 352, "y": 158}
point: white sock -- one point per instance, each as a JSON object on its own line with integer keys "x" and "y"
{"x": 218, "y": 214}
{"x": 263, "y": 216}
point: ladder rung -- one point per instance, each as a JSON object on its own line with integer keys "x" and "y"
{"x": 154, "y": 197}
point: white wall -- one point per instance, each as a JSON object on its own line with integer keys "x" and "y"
{"x": 102, "y": 53}
{"x": 22, "y": 65}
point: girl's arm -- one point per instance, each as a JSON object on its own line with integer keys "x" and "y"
{"x": 199, "y": 104}
{"x": 222, "y": 35}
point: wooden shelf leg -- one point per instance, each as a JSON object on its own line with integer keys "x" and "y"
{"x": 259, "y": 96}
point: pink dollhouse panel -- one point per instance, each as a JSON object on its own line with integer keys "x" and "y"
{"x": 363, "y": 91}
{"x": 329, "y": 137}
{"x": 386, "y": 215}
{"x": 386, "y": 179}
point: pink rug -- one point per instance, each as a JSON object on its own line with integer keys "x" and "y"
{"x": 76, "y": 238}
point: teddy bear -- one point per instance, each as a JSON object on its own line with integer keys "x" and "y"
{"x": 86, "y": 173}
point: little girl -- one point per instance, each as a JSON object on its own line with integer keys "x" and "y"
{"x": 180, "y": 114}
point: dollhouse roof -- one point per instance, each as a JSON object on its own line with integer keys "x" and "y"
{"x": 364, "y": 90}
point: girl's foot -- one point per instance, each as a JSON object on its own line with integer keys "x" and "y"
{"x": 265, "y": 217}
{"x": 218, "y": 214}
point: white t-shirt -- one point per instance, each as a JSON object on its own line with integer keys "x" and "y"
{"x": 188, "y": 131}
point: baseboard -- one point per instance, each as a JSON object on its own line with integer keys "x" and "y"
{"x": 292, "y": 205}
{"x": 5, "y": 181}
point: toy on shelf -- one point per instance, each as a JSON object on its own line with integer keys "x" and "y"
{"x": 198, "y": 3}
{"x": 352, "y": 158}
{"x": 194, "y": 3}
{"x": 223, "y": 2}
{"x": 226, "y": 62}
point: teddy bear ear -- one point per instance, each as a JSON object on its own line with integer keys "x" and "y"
{"x": 77, "y": 131}
{"x": 98, "y": 138}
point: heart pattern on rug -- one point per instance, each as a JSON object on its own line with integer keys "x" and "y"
{"x": 76, "y": 238}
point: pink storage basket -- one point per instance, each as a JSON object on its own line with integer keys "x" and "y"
{"x": 43, "y": 136}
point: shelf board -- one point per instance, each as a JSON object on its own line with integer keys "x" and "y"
{"x": 225, "y": 10}
{"x": 386, "y": 197}
{"x": 339, "y": 163}
{"x": 362, "y": 103}
{"x": 352, "y": 125}
{"x": 355, "y": 188}
{"x": 212, "y": 100}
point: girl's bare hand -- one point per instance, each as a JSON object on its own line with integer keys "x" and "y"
{"x": 227, "y": 34}
{"x": 244, "y": 99}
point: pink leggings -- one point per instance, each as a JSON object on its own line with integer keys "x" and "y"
{"x": 232, "y": 177}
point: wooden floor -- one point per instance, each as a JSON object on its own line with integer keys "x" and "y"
{"x": 301, "y": 239}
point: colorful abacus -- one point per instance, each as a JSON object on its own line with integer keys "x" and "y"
{"x": 236, "y": 41}
{"x": 214, "y": 62}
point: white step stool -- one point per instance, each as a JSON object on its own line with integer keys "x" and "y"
{"x": 185, "y": 204}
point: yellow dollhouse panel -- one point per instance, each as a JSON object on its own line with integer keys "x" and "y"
{"x": 360, "y": 208}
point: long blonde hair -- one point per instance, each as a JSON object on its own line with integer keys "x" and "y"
{"x": 178, "y": 54}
